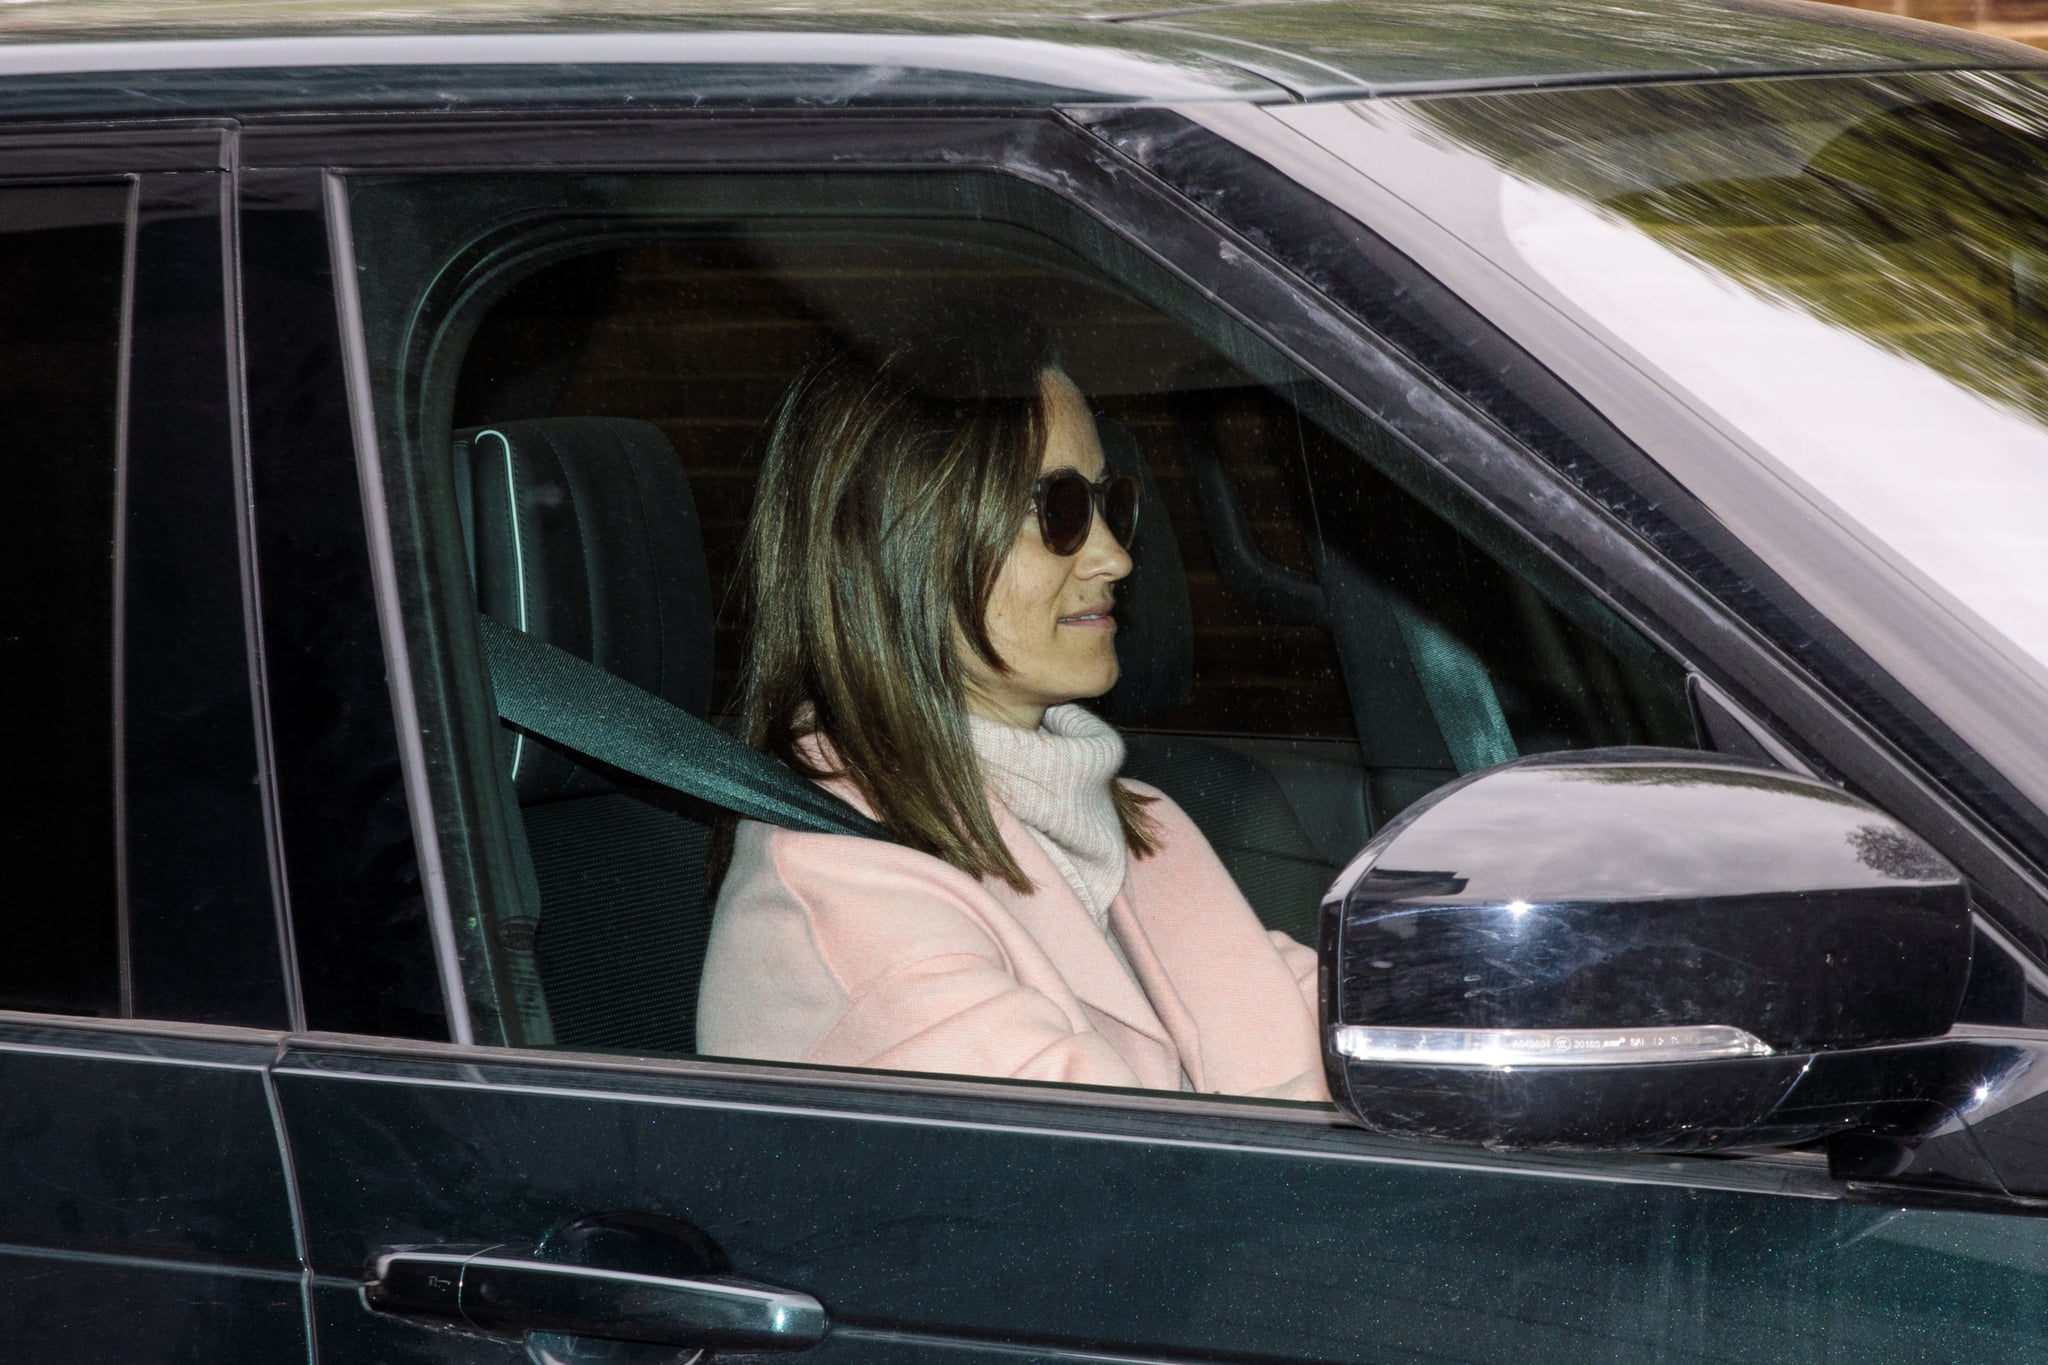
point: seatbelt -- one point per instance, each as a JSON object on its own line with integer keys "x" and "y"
{"x": 1460, "y": 695}
{"x": 1414, "y": 686}
{"x": 1411, "y": 682}
{"x": 551, "y": 693}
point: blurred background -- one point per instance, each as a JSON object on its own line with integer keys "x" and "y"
{"x": 2023, "y": 20}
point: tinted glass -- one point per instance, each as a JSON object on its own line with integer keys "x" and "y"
{"x": 741, "y": 309}
{"x": 1315, "y": 631}
{"x": 62, "y": 254}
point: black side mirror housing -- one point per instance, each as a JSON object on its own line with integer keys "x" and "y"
{"x": 1633, "y": 949}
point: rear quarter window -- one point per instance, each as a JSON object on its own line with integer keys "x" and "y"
{"x": 63, "y": 254}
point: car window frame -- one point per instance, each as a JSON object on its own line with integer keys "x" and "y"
{"x": 1059, "y": 152}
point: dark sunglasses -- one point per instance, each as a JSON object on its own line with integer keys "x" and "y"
{"x": 1067, "y": 504}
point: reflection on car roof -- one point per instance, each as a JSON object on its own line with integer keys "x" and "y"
{"x": 983, "y": 51}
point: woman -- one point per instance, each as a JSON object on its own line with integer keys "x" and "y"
{"x": 934, "y": 557}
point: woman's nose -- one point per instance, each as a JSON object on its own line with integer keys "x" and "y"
{"x": 1102, "y": 556}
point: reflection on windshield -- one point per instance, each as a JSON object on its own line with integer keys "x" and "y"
{"x": 1852, "y": 274}
{"x": 1923, "y": 227}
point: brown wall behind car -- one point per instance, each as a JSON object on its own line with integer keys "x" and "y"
{"x": 2024, "y": 21}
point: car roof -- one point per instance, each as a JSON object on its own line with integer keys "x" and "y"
{"x": 56, "y": 55}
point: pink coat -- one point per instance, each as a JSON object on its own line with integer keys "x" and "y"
{"x": 851, "y": 952}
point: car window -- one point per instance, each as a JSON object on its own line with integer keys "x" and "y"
{"x": 1316, "y": 631}
{"x": 63, "y": 252}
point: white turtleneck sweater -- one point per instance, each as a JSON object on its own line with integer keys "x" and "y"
{"x": 1057, "y": 780}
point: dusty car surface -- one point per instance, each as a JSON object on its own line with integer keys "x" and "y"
{"x": 1593, "y": 593}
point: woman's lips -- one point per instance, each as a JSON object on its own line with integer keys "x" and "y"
{"x": 1102, "y": 618}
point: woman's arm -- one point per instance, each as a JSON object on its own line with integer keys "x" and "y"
{"x": 964, "y": 1014}
{"x": 1302, "y": 962}
{"x": 848, "y": 952}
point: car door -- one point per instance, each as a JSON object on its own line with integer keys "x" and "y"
{"x": 440, "y": 1128}
{"x": 144, "y": 1208}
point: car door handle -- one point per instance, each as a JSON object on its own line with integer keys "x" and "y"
{"x": 498, "y": 1289}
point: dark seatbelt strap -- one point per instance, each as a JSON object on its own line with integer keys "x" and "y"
{"x": 558, "y": 697}
{"x": 1460, "y": 695}
{"x": 1421, "y": 700}
{"x": 1419, "y": 696}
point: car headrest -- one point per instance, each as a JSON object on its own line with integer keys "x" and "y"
{"x": 582, "y": 531}
{"x": 1155, "y": 630}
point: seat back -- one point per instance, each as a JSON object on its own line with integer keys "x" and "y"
{"x": 583, "y": 532}
{"x": 1236, "y": 801}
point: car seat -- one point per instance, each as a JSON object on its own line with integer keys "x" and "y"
{"x": 583, "y": 532}
{"x": 1237, "y": 802}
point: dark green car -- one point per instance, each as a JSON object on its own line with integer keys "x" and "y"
{"x": 1507, "y": 381}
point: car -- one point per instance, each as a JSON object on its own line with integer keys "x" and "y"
{"x": 1590, "y": 588}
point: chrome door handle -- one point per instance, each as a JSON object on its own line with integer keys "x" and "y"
{"x": 498, "y": 1289}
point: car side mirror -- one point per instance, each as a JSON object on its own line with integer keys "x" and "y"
{"x": 1630, "y": 949}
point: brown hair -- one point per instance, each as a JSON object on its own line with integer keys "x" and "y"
{"x": 895, "y": 478}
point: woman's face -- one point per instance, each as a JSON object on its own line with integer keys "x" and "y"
{"x": 1050, "y": 616}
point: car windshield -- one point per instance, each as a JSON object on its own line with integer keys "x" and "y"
{"x": 1850, "y": 277}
